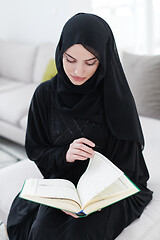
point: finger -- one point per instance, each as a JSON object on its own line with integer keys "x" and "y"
{"x": 85, "y": 149}
{"x": 78, "y": 157}
{"x": 82, "y": 153}
{"x": 86, "y": 141}
{"x": 71, "y": 214}
{"x": 81, "y": 149}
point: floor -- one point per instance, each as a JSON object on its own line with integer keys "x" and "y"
{"x": 10, "y": 153}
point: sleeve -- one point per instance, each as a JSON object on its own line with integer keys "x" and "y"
{"x": 127, "y": 155}
{"x": 39, "y": 148}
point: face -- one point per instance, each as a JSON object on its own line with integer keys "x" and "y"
{"x": 79, "y": 64}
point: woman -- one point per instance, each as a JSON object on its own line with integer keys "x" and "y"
{"x": 87, "y": 106}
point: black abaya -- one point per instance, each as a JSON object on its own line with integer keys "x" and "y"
{"x": 48, "y": 137}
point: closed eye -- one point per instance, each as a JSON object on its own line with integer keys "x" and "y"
{"x": 69, "y": 58}
{"x": 92, "y": 63}
{"x": 88, "y": 62}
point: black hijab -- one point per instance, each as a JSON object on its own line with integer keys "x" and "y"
{"x": 105, "y": 97}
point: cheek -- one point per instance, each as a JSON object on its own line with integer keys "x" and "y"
{"x": 66, "y": 67}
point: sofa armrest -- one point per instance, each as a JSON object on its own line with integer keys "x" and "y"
{"x": 11, "y": 182}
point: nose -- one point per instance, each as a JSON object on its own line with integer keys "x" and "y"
{"x": 79, "y": 70}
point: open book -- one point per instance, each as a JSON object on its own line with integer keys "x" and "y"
{"x": 101, "y": 184}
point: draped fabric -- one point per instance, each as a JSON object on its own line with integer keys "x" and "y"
{"x": 107, "y": 89}
{"x": 48, "y": 137}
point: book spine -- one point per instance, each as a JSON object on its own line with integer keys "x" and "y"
{"x": 81, "y": 214}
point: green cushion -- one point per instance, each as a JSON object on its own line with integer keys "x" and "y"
{"x": 50, "y": 71}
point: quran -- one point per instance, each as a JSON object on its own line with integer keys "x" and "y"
{"x": 101, "y": 185}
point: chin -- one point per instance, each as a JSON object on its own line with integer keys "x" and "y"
{"x": 77, "y": 82}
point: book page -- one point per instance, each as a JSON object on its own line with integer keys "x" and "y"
{"x": 105, "y": 199}
{"x": 120, "y": 186}
{"x": 63, "y": 204}
{"x": 101, "y": 173}
{"x": 50, "y": 188}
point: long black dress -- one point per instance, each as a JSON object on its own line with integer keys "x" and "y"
{"x": 48, "y": 137}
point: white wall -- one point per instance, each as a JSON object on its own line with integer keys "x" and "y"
{"x": 42, "y": 21}
{"x": 37, "y": 20}
{"x": 135, "y": 23}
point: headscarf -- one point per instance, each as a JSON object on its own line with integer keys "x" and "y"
{"x": 105, "y": 97}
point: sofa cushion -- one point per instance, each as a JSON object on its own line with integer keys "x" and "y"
{"x": 12, "y": 132}
{"x": 17, "y": 60}
{"x": 17, "y": 102}
{"x": 143, "y": 75}
{"x": 45, "y": 52}
{"x": 23, "y": 121}
{"x": 7, "y": 84}
{"x": 151, "y": 130}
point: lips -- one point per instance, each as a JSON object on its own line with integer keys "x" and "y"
{"x": 78, "y": 79}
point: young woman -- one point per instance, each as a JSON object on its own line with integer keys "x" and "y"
{"x": 87, "y": 106}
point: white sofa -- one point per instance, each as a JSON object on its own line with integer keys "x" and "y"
{"x": 21, "y": 70}
{"x": 147, "y": 227}
{"x": 22, "y": 66}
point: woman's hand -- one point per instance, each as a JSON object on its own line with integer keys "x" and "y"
{"x": 71, "y": 214}
{"x": 79, "y": 151}
{"x": 74, "y": 215}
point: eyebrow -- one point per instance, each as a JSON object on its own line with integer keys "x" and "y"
{"x": 76, "y": 59}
